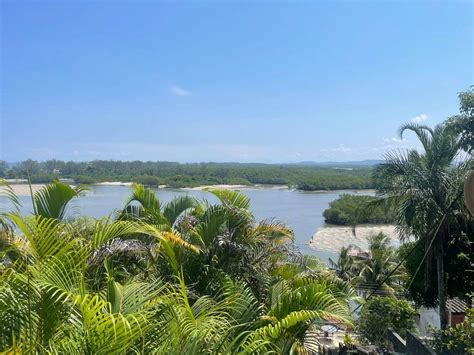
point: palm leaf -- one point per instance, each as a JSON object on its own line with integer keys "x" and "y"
{"x": 52, "y": 200}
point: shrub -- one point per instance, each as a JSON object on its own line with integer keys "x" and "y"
{"x": 456, "y": 340}
{"x": 147, "y": 180}
{"x": 83, "y": 179}
{"x": 381, "y": 313}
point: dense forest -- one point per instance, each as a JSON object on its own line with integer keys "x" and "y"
{"x": 301, "y": 176}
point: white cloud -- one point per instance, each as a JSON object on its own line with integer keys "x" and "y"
{"x": 179, "y": 91}
{"x": 420, "y": 118}
{"x": 395, "y": 140}
{"x": 341, "y": 149}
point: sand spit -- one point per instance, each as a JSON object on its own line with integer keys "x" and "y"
{"x": 333, "y": 238}
{"x": 114, "y": 183}
{"x": 222, "y": 186}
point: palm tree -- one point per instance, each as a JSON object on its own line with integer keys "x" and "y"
{"x": 48, "y": 299}
{"x": 377, "y": 267}
{"x": 344, "y": 264}
{"x": 64, "y": 290}
{"x": 427, "y": 188}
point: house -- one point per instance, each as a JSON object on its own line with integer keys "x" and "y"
{"x": 456, "y": 309}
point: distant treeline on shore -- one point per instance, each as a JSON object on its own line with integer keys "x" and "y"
{"x": 308, "y": 177}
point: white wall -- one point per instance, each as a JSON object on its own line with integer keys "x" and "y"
{"x": 428, "y": 317}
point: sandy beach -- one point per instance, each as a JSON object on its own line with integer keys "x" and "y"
{"x": 24, "y": 189}
{"x": 333, "y": 238}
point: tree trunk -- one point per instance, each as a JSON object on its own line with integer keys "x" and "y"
{"x": 443, "y": 316}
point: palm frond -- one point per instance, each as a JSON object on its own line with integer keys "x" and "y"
{"x": 52, "y": 200}
{"x": 173, "y": 209}
{"x": 231, "y": 197}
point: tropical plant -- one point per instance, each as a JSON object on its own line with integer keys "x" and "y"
{"x": 463, "y": 124}
{"x": 379, "y": 314}
{"x": 375, "y": 270}
{"x": 344, "y": 266}
{"x": 134, "y": 284}
{"x": 455, "y": 340}
{"x": 427, "y": 190}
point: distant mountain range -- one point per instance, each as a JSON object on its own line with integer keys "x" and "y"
{"x": 369, "y": 162}
{"x": 343, "y": 164}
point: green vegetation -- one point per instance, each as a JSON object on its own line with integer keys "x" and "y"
{"x": 456, "y": 340}
{"x": 427, "y": 189}
{"x": 366, "y": 270}
{"x": 458, "y": 261}
{"x": 356, "y": 209}
{"x": 303, "y": 177}
{"x": 184, "y": 277}
{"x": 463, "y": 124}
{"x": 381, "y": 313}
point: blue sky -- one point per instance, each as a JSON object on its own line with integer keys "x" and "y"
{"x": 227, "y": 81}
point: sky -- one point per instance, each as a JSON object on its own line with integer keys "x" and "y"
{"x": 242, "y": 81}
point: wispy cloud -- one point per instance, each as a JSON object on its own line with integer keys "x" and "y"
{"x": 179, "y": 91}
{"x": 420, "y": 118}
{"x": 395, "y": 140}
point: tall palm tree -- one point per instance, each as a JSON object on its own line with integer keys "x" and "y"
{"x": 427, "y": 188}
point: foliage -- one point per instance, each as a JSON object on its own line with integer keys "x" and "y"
{"x": 85, "y": 180}
{"x": 456, "y": 340}
{"x": 366, "y": 270}
{"x": 303, "y": 177}
{"x": 427, "y": 189}
{"x": 147, "y": 180}
{"x": 378, "y": 267}
{"x": 344, "y": 266}
{"x": 458, "y": 261}
{"x": 178, "y": 278}
{"x": 349, "y": 340}
{"x": 357, "y": 209}
{"x": 381, "y": 313}
{"x": 463, "y": 124}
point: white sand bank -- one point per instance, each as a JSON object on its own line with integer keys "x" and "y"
{"x": 24, "y": 189}
{"x": 114, "y": 183}
{"x": 222, "y": 186}
{"x": 333, "y": 238}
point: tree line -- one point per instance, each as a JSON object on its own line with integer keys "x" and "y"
{"x": 303, "y": 177}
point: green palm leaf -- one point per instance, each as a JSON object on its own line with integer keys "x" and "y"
{"x": 53, "y": 199}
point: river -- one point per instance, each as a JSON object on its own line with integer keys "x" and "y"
{"x": 301, "y": 210}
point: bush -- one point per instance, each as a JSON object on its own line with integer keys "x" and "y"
{"x": 381, "y": 313}
{"x": 147, "y": 180}
{"x": 456, "y": 340}
{"x": 83, "y": 179}
{"x": 357, "y": 209}
{"x": 43, "y": 178}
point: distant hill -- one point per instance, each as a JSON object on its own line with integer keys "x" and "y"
{"x": 346, "y": 164}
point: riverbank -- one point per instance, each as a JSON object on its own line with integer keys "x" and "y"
{"x": 24, "y": 189}
{"x": 333, "y": 238}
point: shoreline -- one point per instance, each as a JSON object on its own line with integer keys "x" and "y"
{"x": 23, "y": 189}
